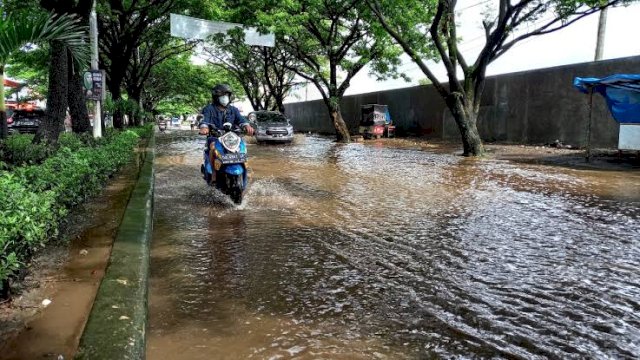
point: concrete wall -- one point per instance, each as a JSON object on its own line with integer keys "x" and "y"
{"x": 533, "y": 107}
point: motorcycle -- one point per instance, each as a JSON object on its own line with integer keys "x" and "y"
{"x": 225, "y": 163}
{"x": 162, "y": 126}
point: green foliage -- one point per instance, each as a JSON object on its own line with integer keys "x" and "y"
{"x": 37, "y": 197}
{"x": 32, "y": 67}
{"x": 18, "y": 29}
{"x": 73, "y": 141}
{"x": 27, "y": 219}
{"x": 134, "y": 38}
{"x": 266, "y": 73}
{"x": 333, "y": 39}
{"x": 19, "y": 150}
{"x": 145, "y": 131}
{"x": 177, "y": 86}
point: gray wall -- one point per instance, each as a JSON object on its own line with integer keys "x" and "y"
{"x": 533, "y": 107}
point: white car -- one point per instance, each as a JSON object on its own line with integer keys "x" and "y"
{"x": 271, "y": 126}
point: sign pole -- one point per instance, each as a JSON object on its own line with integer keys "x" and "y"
{"x": 97, "y": 112}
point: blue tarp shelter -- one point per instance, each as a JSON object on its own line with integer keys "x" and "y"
{"x": 621, "y": 91}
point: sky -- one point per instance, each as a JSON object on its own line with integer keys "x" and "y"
{"x": 574, "y": 44}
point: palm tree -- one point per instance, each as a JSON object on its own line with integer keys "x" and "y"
{"x": 18, "y": 30}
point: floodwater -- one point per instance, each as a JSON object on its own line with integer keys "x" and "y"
{"x": 371, "y": 252}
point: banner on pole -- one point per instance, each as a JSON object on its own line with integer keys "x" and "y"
{"x": 187, "y": 27}
{"x": 94, "y": 84}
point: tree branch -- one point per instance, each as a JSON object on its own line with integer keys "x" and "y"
{"x": 375, "y": 7}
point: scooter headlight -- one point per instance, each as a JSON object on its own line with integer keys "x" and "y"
{"x": 230, "y": 141}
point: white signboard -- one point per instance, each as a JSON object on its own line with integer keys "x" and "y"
{"x": 629, "y": 138}
{"x": 187, "y": 27}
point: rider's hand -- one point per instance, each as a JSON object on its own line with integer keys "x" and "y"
{"x": 248, "y": 129}
{"x": 204, "y": 130}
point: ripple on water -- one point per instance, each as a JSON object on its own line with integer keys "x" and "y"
{"x": 357, "y": 251}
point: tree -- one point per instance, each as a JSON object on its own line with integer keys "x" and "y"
{"x": 264, "y": 72}
{"x": 17, "y": 30}
{"x": 177, "y": 86}
{"x": 148, "y": 56}
{"x": 125, "y": 26}
{"x": 122, "y": 25}
{"x": 428, "y": 28}
{"x": 334, "y": 41}
{"x": 66, "y": 85}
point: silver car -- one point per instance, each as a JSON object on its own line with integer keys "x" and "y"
{"x": 271, "y": 126}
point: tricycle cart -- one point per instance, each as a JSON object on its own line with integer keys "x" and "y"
{"x": 375, "y": 122}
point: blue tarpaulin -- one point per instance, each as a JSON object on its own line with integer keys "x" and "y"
{"x": 621, "y": 91}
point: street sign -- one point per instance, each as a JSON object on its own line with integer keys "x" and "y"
{"x": 94, "y": 83}
{"x": 187, "y": 27}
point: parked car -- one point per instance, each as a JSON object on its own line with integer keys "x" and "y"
{"x": 27, "y": 121}
{"x": 271, "y": 126}
{"x": 175, "y": 121}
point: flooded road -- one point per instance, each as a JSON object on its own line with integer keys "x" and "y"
{"x": 369, "y": 252}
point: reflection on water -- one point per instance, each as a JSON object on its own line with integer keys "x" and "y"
{"x": 361, "y": 251}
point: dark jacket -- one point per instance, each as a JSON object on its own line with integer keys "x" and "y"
{"x": 216, "y": 117}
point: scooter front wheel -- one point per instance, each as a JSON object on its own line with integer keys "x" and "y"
{"x": 237, "y": 195}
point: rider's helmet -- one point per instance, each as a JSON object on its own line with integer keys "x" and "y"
{"x": 219, "y": 91}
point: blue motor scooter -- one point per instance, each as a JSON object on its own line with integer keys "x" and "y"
{"x": 225, "y": 162}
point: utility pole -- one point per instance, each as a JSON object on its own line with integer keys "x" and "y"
{"x": 97, "y": 112}
{"x": 602, "y": 25}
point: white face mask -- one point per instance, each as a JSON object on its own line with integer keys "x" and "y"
{"x": 224, "y": 100}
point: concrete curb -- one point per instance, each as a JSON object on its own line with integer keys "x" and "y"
{"x": 117, "y": 324}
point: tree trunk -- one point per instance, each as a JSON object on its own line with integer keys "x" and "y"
{"x": 466, "y": 118}
{"x": 77, "y": 103}
{"x": 4, "y": 129}
{"x": 53, "y": 123}
{"x": 280, "y": 103}
{"x": 116, "y": 95}
{"x": 136, "y": 115}
{"x": 118, "y": 119}
{"x": 5, "y": 293}
{"x": 342, "y": 132}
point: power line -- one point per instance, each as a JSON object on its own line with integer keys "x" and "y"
{"x": 474, "y": 5}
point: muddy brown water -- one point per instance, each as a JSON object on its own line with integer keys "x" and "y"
{"x": 365, "y": 251}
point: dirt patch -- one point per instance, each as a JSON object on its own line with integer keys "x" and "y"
{"x": 36, "y": 286}
{"x": 51, "y": 303}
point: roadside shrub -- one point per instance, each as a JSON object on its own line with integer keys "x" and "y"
{"x": 19, "y": 150}
{"x": 144, "y": 131}
{"x": 72, "y": 141}
{"x": 75, "y": 175}
{"x": 35, "y": 198}
{"x": 27, "y": 220}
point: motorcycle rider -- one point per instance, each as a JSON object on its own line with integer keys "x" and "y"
{"x": 218, "y": 112}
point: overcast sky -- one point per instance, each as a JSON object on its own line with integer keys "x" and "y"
{"x": 573, "y": 44}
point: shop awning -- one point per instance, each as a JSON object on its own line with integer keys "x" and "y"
{"x": 11, "y": 83}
